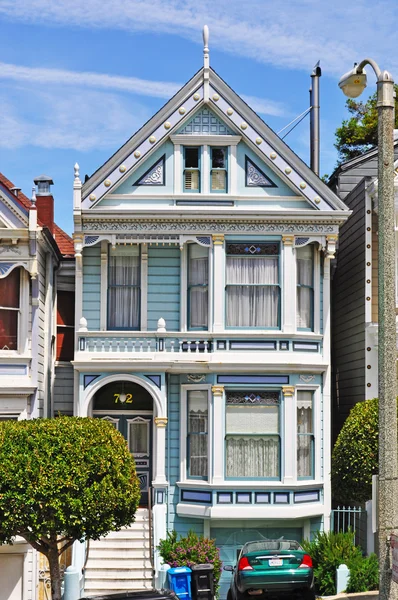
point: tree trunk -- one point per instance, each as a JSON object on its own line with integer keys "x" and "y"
{"x": 55, "y": 573}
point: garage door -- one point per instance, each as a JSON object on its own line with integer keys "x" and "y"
{"x": 11, "y": 574}
{"x": 230, "y": 541}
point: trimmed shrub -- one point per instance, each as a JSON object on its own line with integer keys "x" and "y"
{"x": 364, "y": 575}
{"x": 190, "y": 550}
{"x": 328, "y": 551}
{"x": 355, "y": 454}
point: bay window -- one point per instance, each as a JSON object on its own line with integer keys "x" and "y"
{"x": 305, "y": 287}
{"x": 191, "y": 169}
{"x": 218, "y": 175}
{"x": 252, "y": 434}
{"x": 305, "y": 434}
{"x": 124, "y": 288}
{"x": 252, "y": 285}
{"x": 198, "y": 279}
{"x": 9, "y": 310}
{"x": 197, "y": 434}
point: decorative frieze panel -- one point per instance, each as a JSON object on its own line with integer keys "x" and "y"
{"x": 254, "y": 249}
{"x": 210, "y": 227}
{"x": 162, "y": 239}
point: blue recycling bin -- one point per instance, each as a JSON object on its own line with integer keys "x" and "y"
{"x": 179, "y": 581}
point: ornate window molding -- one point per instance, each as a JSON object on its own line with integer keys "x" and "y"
{"x": 261, "y": 398}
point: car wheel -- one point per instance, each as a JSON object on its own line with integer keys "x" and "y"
{"x": 308, "y": 595}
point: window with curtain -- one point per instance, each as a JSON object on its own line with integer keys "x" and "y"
{"x": 218, "y": 175}
{"x": 65, "y": 325}
{"x": 252, "y": 285}
{"x": 252, "y": 434}
{"x": 191, "y": 169}
{"x": 124, "y": 288}
{"x": 305, "y": 287}
{"x": 305, "y": 434}
{"x": 198, "y": 279}
{"x": 197, "y": 433}
{"x": 9, "y": 310}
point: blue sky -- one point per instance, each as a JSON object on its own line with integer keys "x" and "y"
{"x": 79, "y": 77}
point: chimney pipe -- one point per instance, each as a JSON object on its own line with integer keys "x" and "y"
{"x": 45, "y": 202}
{"x": 15, "y": 191}
{"x": 314, "y": 120}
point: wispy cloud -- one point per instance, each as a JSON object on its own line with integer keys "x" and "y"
{"x": 291, "y": 34}
{"x": 143, "y": 87}
{"x": 68, "y": 120}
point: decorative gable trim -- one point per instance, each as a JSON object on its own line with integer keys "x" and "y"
{"x": 205, "y": 122}
{"x": 143, "y": 149}
{"x": 12, "y": 213}
{"x": 255, "y": 177}
{"x": 155, "y": 175}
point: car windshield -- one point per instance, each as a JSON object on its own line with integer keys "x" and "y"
{"x": 270, "y": 545}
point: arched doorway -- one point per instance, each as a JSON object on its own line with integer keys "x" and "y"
{"x": 129, "y": 407}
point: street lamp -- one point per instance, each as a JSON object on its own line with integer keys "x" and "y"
{"x": 353, "y": 83}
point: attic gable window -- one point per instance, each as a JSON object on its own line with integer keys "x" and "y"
{"x": 191, "y": 169}
{"x": 218, "y": 176}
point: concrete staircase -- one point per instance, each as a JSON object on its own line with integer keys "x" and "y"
{"x": 120, "y": 562}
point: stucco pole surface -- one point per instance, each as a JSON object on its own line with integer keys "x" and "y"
{"x": 388, "y": 459}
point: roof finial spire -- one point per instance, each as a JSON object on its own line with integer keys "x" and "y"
{"x": 206, "y": 46}
{"x": 206, "y": 63}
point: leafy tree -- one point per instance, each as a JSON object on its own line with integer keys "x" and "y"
{"x": 358, "y": 134}
{"x": 63, "y": 480}
{"x": 355, "y": 454}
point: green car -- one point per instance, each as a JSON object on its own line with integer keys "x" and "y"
{"x": 272, "y": 568}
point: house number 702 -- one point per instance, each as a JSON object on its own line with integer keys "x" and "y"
{"x": 129, "y": 398}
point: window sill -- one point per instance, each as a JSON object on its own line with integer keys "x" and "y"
{"x": 252, "y": 484}
{"x": 13, "y": 356}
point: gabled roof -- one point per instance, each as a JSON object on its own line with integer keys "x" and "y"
{"x": 237, "y": 115}
{"x": 63, "y": 240}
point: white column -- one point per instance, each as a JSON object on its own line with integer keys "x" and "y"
{"x": 288, "y": 324}
{"x": 205, "y": 170}
{"x": 159, "y": 516}
{"x": 160, "y": 451}
{"x": 78, "y": 240}
{"x": 218, "y": 433}
{"x": 289, "y": 438}
{"x": 218, "y": 282}
{"x": 331, "y": 247}
{"x": 184, "y": 288}
{"x": 104, "y": 285}
{"x": 233, "y": 171}
{"x": 177, "y": 169}
{"x": 144, "y": 287}
{"x": 317, "y": 289}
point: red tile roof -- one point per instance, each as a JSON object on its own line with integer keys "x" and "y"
{"x": 62, "y": 239}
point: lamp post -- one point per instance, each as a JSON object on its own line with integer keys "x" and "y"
{"x": 353, "y": 84}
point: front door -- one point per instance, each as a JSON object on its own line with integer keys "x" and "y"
{"x": 137, "y": 429}
{"x": 133, "y": 417}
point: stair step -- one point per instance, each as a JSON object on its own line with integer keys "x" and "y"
{"x": 123, "y": 545}
{"x": 107, "y": 589}
{"x": 119, "y": 553}
{"x": 125, "y": 533}
{"x": 125, "y": 562}
{"x": 101, "y": 574}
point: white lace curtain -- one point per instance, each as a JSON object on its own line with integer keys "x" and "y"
{"x": 198, "y": 433}
{"x": 305, "y": 437}
{"x": 252, "y": 456}
{"x": 254, "y": 304}
{"x": 124, "y": 288}
{"x": 305, "y": 269}
{"x": 252, "y": 443}
{"x": 198, "y": 278}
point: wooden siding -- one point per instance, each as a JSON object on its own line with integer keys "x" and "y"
{"x": 92, "y": 286}
{"x": 350, "y": 176}
{"x": 348, "y": 312}
{"x": 375, "y": 269}
{"x": 63, "y": 390}
{"x": 164, "y": 287}
{"x": 181, "y": 524}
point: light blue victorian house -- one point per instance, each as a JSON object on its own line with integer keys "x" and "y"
{"x": 203, "y": 252}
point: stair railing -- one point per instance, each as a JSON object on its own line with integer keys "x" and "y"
{"x": 150, "y": 530}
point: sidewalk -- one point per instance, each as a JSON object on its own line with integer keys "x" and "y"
{"x": 359, "y": 596}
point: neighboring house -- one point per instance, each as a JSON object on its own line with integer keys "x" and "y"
{"x": 355, "y": 286}
{"x": 203, "y": 250}
{"x": 36, "y": 335}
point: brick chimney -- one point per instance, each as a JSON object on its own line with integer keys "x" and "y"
{"x": 45, "y": 201}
